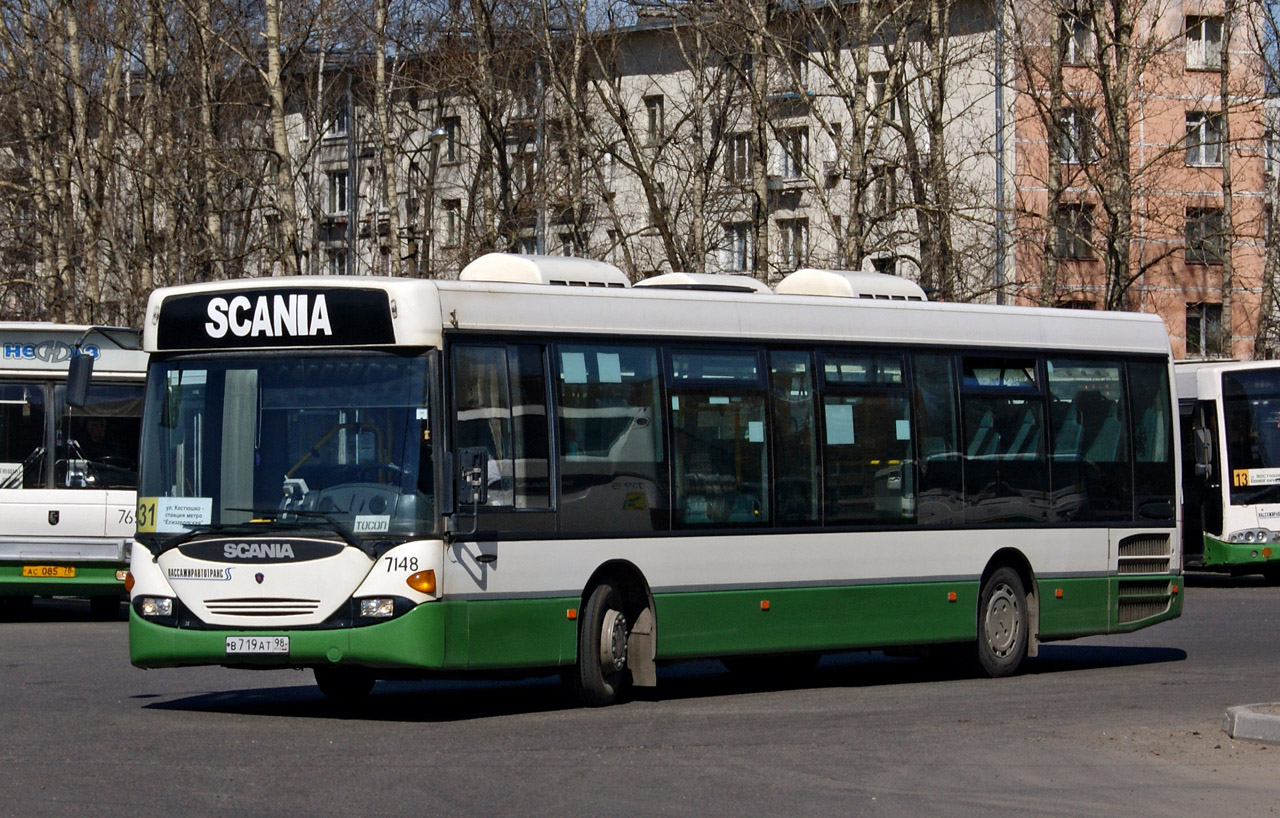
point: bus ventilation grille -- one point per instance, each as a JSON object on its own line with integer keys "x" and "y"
{"x": 1145, "y": 554}
{"x": 262, "y": 606}
{"x": 1139, "y": 600}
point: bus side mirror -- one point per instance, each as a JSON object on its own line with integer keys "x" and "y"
{"x": 1203, "y": 445}
{"x": 79, "y": 373}
{"x": 473, "y": 477}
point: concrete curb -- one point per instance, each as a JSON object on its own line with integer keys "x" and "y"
{"x": 1253, "y": 722}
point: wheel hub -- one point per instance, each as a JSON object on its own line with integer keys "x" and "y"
{"x": 1003, "y": 620}
{"x": 613, "y": 642}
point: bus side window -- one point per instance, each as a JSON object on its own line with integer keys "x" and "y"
{"x": 1090, "y": 468}
{"x": 720, "y": 462}
{"x": 1152, "y": 411}
{"x": 500, "y": 405}
{"x": 941, "y": 483}
{"x": 613, "y": 465}
{"x": 867, "y": 461}
{"x": 1002, "y": 411}
{"x": 795, "y": 438}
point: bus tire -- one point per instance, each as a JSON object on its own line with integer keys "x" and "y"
{"x": 601, "y": 674}
{"x": 104, "y": 608}
{"x": 1002, "y": 623}
{"x": 1271, "y": 573}
{"x": 344, "y": 684}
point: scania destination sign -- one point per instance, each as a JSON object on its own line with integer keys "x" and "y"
{"x": 276, "y": 317}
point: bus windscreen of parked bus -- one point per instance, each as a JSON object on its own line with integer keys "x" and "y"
{"x": 1251, "y": 406}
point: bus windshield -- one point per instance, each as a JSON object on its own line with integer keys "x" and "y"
{"x": 345, "y": 437}
{"x": 1251, "y": 405}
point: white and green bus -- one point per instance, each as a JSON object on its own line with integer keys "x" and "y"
{"x": 67, "y": 473}
{"x": 1230, "y": 413}
{"x": 541, "y": 467}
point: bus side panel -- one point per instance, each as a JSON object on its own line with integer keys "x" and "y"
{"x": 1081, "y": 609}
{"x": 831, "y": 618}
{"x": 516, "y": 633}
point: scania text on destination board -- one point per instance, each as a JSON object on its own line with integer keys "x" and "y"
{"x": 276, "y": 317}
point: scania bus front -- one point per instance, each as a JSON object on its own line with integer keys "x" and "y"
{"x": 286, "y": 511}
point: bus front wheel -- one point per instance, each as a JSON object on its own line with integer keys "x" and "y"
{"x": 601, "y": 673}
{"x": 1002, "y": 623}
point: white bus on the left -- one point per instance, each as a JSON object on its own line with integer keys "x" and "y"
{"x": 68, "y": 475}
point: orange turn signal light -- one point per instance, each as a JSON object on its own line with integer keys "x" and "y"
{"x": 951, "y": 596}
{"x": 1266, "y": 552}
{"x": 764, "y": 604}
{"x": 1057, "y": 592}
{"x": 423, "y": 582}
{"x": 571, "y": 613}
{"x": 128, "y": 581}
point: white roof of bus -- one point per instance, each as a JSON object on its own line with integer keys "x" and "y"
{"x": 424, "y": 310}
{"x": 1203, "y": 379}
{"x": 38, "y": 348}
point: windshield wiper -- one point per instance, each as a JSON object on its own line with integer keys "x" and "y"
{"x": 186, "y": 536}
{"x": 348, "y": 536}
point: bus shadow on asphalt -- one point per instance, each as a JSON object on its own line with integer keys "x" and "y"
{"x": 464, "y": 700}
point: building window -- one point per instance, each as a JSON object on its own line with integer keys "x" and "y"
{"x": 1204, "y": 43}
{"x": 883, "y": 100}
{"x": 1204, "y": 138}
{"x": 528, "y": 245}
{"x": 799, "y": 59}
{"x": 1204, "y": 330}
{"x": 571, "y": 244}
{"x": 882, "y": 193}
{"x": 452, "y": 221}
{"x": 793, "y": 152}
{"x": 794, "y": 238}
{"x": 1076, "y": 304}
{"x": 1204, "y": 235}
{"x": 1075, "y": 231}
{"x": 337, "y": 261}
{"x": 736, "y": 252}
{"x": 1075, "y": 136}
{"x": 888, "y": 265}
{"x": 737, "y": 159}
{"x": 338, "y": 123}
{"x": 653, "y": 107}
{"x": 338, "y": 194}
{"x": 1077, "y": 38}
{"x": 453, "y": 134}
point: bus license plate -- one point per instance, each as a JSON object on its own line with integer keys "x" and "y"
{"x": 47, "y": 571}
{"x": 237, "y": 645}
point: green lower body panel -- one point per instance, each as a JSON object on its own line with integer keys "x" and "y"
{"x": 443, "y": 636}
{"x": 814, "y": 619}
{"x": 1240, "y": 555}
{"x": 540, "y": 633}
{"x": 98, "y": 579}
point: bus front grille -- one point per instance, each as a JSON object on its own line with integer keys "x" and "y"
{"x": 262, "y": 606}
{"x": 1145, "y": 554}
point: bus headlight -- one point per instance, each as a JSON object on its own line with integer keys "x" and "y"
{"x": 378, "y": 607}
{"x": 1253, "y": 535}
{"x": 154, "y": 607}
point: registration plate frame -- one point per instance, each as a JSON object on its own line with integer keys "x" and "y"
{"x": 49, "y": 571}
{"x": 268, "y": 645}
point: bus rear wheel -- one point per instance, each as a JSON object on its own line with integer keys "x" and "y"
{"x": 601, "y": 674}
{"x": 344, "y": 684}
{"x": 1002, "y": 623}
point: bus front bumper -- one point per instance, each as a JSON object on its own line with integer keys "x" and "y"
{"x": 1239, "y": 554}
{"x": 42, "y": 577}
{"x": 414, "y": 640}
